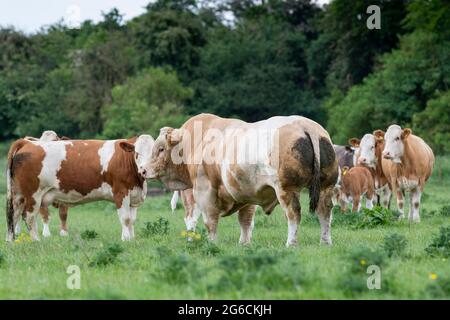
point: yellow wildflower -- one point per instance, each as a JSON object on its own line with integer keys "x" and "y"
{"x": 433, "y": 276}
{"x": 198, "y": 236}
{"x": 362, "y": 262}
{"x": 183, "y": 233}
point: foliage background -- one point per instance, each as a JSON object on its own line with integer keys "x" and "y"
{"x": 236, "y": 58}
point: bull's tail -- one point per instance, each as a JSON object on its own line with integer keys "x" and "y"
{"x": 174, "y": 201}
{"x": 9, "y": 184}
{"x": 314, "y": 188}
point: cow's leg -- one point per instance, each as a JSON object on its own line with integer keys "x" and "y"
{"x": 356, "y": 203}
{"x": 31, "y": 216}
{"x": 133, "y": 216}
{"x": 63, "y": 217}
{"x": 245, "y": 216}
{"x": 211, "y": 223}
{"x": 45, "y": 215}
{"x": 400, "y": 203}
{"x": 124, "y": 211}
{"x": 370, "y": 197}
{"x": 291, "y": 206}
{"x": 18, "y": 210}
{"x": 325, "y": 216}
{"x": 369, "y": 202}
{"x": 414, "y": 204}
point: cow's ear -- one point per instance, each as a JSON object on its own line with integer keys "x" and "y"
{"x": 349, "y": 149}
{"x": 379, "y": 135}
{"x": 64, "y": 138}
{"x": 354, "y": 142}
{"x": 128, "y": 147}
{"x": 175, "y": 136}
{"x": 406, "y": 132}
{"x": 31, "y": 139}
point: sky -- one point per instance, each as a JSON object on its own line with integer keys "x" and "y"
{"x": 30, "y": 15}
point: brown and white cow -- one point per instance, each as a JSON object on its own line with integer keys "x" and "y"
{"x": 50, "y": 135}
{"x": 233, "y": 165}
{"x": 74, "y": 172}
{"x": 369, "y": 155}
{"x": 357, "y": 183}
{"x": 408, "y": 163}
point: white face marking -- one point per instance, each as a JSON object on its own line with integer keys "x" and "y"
{"x": 143, "y": 151}
{"x": 48, "y": 136}
{"x": 367, "y": 151}
{"x": 393, "y": 147}
{"x": 106, "y": 153}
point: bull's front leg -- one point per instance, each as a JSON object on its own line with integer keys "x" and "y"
{"x": 245, "y": 217}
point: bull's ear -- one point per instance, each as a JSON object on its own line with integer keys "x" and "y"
{"x": 406, "y": 132}
{"x": 354, "y": 142}
{"x": 175, "y": 136}
{"x": 128, "y": 147}
{"x": 379, "y": 135}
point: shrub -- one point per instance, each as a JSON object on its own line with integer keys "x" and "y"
{"x": 362, "y": 257}
{"x": 439, "y": 288}
{"x": 106, "y": 256}
{"x": 377, "y": 216}
{"x": 89, "y": 235}
{"x": 440, "y": 245}
{"x": 176, "y": 269}
{"x": 395, "y": 244}
{"x": 445, "y": 211}
{"x": 158, "y": 227}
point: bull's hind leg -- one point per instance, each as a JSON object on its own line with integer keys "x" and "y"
{"x": 290, "y": 203}
{"x": 245, "y": 216}
{"x": 325, "y": 215}
{"x": 45, "y": 218}
{"x": 63, "y": 217}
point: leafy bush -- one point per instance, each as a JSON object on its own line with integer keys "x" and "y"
{"x": 440, "y": 245}
{"x": 377, "y": 216}
{"x": 439, "y": 288}
{"x": 158, "y": 227}
{"x": 445, "y": 211}
{"x": 395, "y": 244}
{"x": 198, "y": 242}
{"x": 176, "y": 269}
{"x": 107, "y": 255}
{"x": 89, "y": 235}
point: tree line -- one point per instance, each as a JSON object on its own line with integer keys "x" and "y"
{"x": 249, "y": 59}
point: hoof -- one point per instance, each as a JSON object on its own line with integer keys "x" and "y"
{"x": 63, "y": 233}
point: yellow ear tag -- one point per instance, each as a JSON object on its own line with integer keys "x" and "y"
{"x": 344, "y": 172}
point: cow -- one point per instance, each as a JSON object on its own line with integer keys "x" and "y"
{"x": 369, "y": 155}
{"x": 346, "y": 155}
{"x": 50, "y": 135}
{"x": 217, "y": 157}
{"x": 357, "y": 182}
{"x": 73, "y": 172}
{"x": 409, "y": 162}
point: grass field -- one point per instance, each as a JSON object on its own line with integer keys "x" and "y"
{"x": 161, "y": 264}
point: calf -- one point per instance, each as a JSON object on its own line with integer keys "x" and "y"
{"x": 75, "y": 172}
{"x": 409, "y": 162}
{"x": 357, "y": 182}
{"x": 369, "y": 155}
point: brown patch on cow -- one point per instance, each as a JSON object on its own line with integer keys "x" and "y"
{"x": 26, "y": 171}
{"x": 327, "y": 154}
{"x": 416, "y": 205}
{"x": 74, "y": 165}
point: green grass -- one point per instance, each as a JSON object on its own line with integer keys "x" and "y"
{"x": 163, "y": 265}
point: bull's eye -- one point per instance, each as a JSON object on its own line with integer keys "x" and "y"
{"x": 161, "y": 149}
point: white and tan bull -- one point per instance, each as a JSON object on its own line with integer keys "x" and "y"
{"x": 233, "y": 166}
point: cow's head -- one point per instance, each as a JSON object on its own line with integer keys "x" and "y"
{"x": 366, "y": 154}
{"x": 395, "y": 142}
{"x": 142, "y": 150}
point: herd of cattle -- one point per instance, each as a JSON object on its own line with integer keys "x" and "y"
{"x": 64, "y": 172}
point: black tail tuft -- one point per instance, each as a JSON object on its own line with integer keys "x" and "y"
{"x": 10, "y": 215}
{"x": 314, "y": 188}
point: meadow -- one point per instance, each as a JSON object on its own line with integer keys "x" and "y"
{"x": 161, "y": 264}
